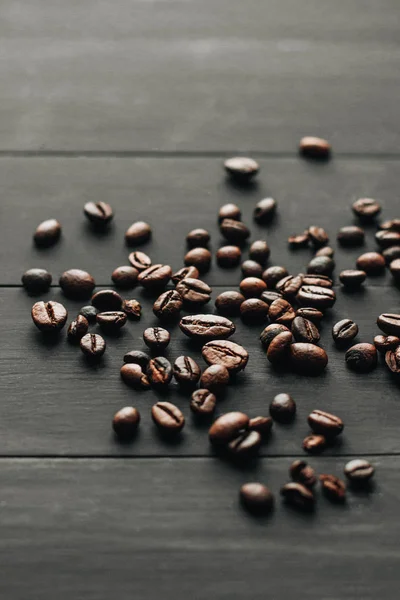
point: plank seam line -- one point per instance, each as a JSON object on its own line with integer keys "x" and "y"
{"x": 180, "y": 457}
{"x": 221, "y": 286}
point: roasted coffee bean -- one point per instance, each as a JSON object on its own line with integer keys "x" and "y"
{"x": 77, "y": 329}
{"x": 325, "y": 251}
{"x": 278, "y": 347}
{"x": 125, "y": 277}
{"x": 298, "y": 495}
{"x": 314, "y": 444}
{"x": 89, "y": 312}
{"x": 234, "y": 231}
{"x": 366, "y": 208}
{"x": 280, "y": 311}
{"x": 359, "y": 470}
{"x": 138, "y": 233}
{"x": 37, "y": 281}
{"x": 321, "y": 265}
{"x": 318, "y": 236}
{"x": 133, "y": 375}
{"x": 290, "y": 285}
{"x": 241, "y": 168}
{"x": 47, "y": 233}
{"x": 155, "y": 277}
{"x": 228, "y": 303}
{"x": 186, "y": 371}
{"x": 159, "y": 372}
{"x": 352, "y": 278}
{"x": 228, "y": 256}
{"x": 111, "y": 321}
{"x": 317, "y": 279}
{"x": 259, "y": 251}
{"x": 156, "y": 338}
{"x": 283, "y": 408}
{"x": 256, "y": 498}
{"x": 168, "y": 305}
{"x": 229, "y": 211}
{"x": 315, "y": 147}
{"x": 395, "y": 269}
{"x": 106, "y": 300}
{"x": 215, "y": 378}
{"x": 393, "y": 224}
{"x": 316, "y": 297}
{"x": 197, "y": 238}
{"x": 203, "y": 403}
{"x": 227, "y": 427}
{"x": 269, "y": 296}
{"x": 270, "y": 332}
{"x": 324, "y": 423}
{"x": 245, "y": 444}
{"x": 252, "y": 287}
{"x": 132, "y": 309}
{"x": 392, "y": 359}
{"x": 389, "y": 323}
{"x": 254, "y": 310}
{"x": 307, "y": 359}
{"x": 351, "y": 235}
{"x": 385, "y": 239}
{"x": 199, "y": 258}
{"x": 98, "y": 213}
{"x": 333, "y": 488}
{"x": 223, "y": 352}
{"x": 299, "y": 240}
{"x": 49, "y": 317}
{"x": 305, "y": 331}
{"x": 391, "y": 254}
{"x": 383, "y": 343}
{"x": 205, "y": 327}
{"x": 168, "y": 418}
{"x": 312, "y": 314}
{"x": 361, "y": 358}
{"x": 301, "y": 472}
{"x": 264, "y": 211}
{"x": 93, "y": 345}
{"x": 126, "y": 421}
{"x": 344, "y": 331}
{"x": 185, "y": 272}
{"x": 251, "y": 268}
{"x": 137, "y": 357}
{"x": 139, "y": 260}
{"x": 77, "y": 284}
{"x": 194, "y": 291}
{"x": 272, "y": 275}
{"x": 261, "y": 424}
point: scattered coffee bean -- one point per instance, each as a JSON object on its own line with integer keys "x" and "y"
{"x": 228, "y": 256}
{"x": 89, "y": 312}
{"x": 186, "y": 371}
{"x": 93, "y": 345}
{"x": 197, "y": 238}
{"x": 194, "y": 291}
{"x": 395, "y": 269}
{"x": 77, "y": 284}
{"x": 98, "y": 213}
{"x": 252, "y": 287}
{"x": 190, "y": 271}
{"x": 362, "y": 358}
{"x": 298, "y": 496}
{"x": 259, "y": 251}
{"x": 106, "y": 300}
{"x": 203, "y": 403}
{"x": 299, "y": 240}
{"x": 307, "y": 359}
{"x": 138, "y": 233}
{"x": 234, "y": 231}
{"x": 254, "y": 310}
{"x": 393, "y": 224}
{"x": 229, "y": 211}
{"x": 199, "y": 258}
{"x": 272, "y": 275}
{"x": 344, "y": 331}
{"x": 36, "y": 281}
{"x": 77, "y": 329}
{"x": 270, "y": 332}
{"x": 137, "y": 357}
{"x": 111, "y": 321}
{"x": 223, "y": 352}
{"x": 318, "y": 236}
{"x": 132, "y": 374}
{"x": 168, "y": 418}
{"x": 126, "y": 421}
{"x": 352, "y": 278}
{"x": 47, "y": 233}
{"x": 49, "y": 317}
{"x": 312, "y": 314}
{"x": 316, "y": 297}
{"x": 125, "y": 277}
{"x": 215, "y": 378}
{"x": 304, "y": 330}
{"x": 283, "y": 408}
{"x": 314, "y": 444}
{"x": 159, "y": 372}
{"x": 319, "y": 280}
{"x": 228, "y": 427}
{"x": 359, "y": 470}
{"x": 333, "y": 488}
{"x": 139, "y": 260}
{"x": 392, "y": 359}
{"x": 203, "y": 327}
{"x": 156, "y": 338}
{"x": 366, "y": 208}
{"x": 301, "y": 472}
{"x": 350, "y": 236}
{"x": 256, "y": 498}
{"x": 251, "y": 268}
{"x": 261, "y": 424}
{"x": 386, "y": 239}
{"x": 289, "y": 286}
{"x": 245, "y": 444}
{"x": 168, "y": 306}
{"x": 264, "y": 211}
{"x": 278, "y": 348}
{"x": 228, "y": 303}
{"x": 132, "y": 309}
{"x": 269, "y": 296}
{"x": 325, "y": 251}
{"x": 155, "y": 277}
{"x": 321, "y": 265}
{"x": 241, "y": 168}
{"x": 315, "y": 148}
{"x": 324, "y": 423}
{"x": 389, "y": 323}
{"x": 383, "y": 343}
{"x": 391, "y": 254}
{"x": 280, "y": 311}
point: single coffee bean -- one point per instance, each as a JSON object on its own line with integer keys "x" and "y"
{"x": 132, "y": 374}
{"x": 254, "y": 310}
{"x": 126, "y": 421}
{"x": 186, "y": 371}
{"x": 290, "y": 285}
{"x": 270, "y": 332}
{"x": 203, "y": 327}
{"x": 106, "y": 300}
{"x": 76, "y": 284}
{"x": 223, "y": 352}
{"x": 344, "y": 331}
{"x": 111, "y": 321}
{"x": 256, "y": 498}
{"x": 314, "y": 444}
{"x": 308, "y": 359}
{"x": 269, "y": 296}
{"x": 229, "y": 211}
{"x": 49, "y": 317}
{"x": 228, "y": 303}
{"x": 125, "y": 277}
{"x": 228, "y": 427}
{"x": 393, "y": 224}
{"x": 89, "y": 312}
{"x": 156, "y": 338}
{"x": 264, "y": 211}
{"x": 315, "y": 148}
{"x": 361, "y": 358}
{"x": 228, "y": 256}
{"x": 305, "y": 331}
{"x": 272, "y": 275}
{"x": 312, "y": 314}
{"x": 197, "y": 238}
{"x": 98, "y": 213}
{"x": 155, "y": 277}
{"x": 321, "y": 265}
{"x": 168, "y": 305}
{"x": 299, "y": 240}
{"x": 259, "y": 251}
{"x": 77, "y": 329}
{"x": 333, "y": 488}
{"x": 36, "y": 281}
{"x": 318, "y": 236}
{"x": 366, "y": 208}
{"x": 301, "y": 472}
{"x": 391, "y": 254}
{"x": 168, "y": 418}
{"x": 383, "y": 343}
{"x": 392, "y": 359}
{"x": 251, "y": 268}
{"x": 395, "y": 269}
{"x": 325, "y": 251}
{"x": 241, "y": 168}
{"x": 252, "y": 287}
{"x": 352, "y": 278}
{"x": 316, "y": 297}
{"x": 298, "y": 496}
{"x": 350, "y": 236}
{"x": 234, "y": 231}
{"x": 138, "y": 233}
{"x": 199, "y": 258}
{"x": 359, "y": 471}
{"x": 137, "y": 357}
{"x": 319, "y": 280}
{"x": 132, "y": 309}
{"x": 47, "y": 233}
{"x": 159, "y": 372}
{"x": 278, "y": 348}
{"x": 385, "y": 239}
{"x": 93, "y": 345}
{"x": 203, "y": 403}
{"x": 194, "y": 291}
{"x": 185, "y": 272}
{"x": 389, "y": 323}
{"x": 215, "y": 378}
{"x": 261, "y": 424}
{"x": 283, "y": 408}
{"x": 245, "y": 444}
{"x": 282, "y": 312}
{"x": 139, "y": 260}
{"x": 324, "y": 423}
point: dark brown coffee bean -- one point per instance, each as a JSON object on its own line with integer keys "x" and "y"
{"x": 111, "y": 321}
{"x": 350, "y": 236}
{"x": 359, "y": 470}
{"x": 269, "y": 296}
{"x": 77, "y": 284}
{"x": 98, "y": 213}
{"x": 197, "y": 238}
{"x": 227, "y": 427}
{"x": 366, "y": 208}
{"x": 393, "y": 224}
{"x": 272, "y": 275}
{"x": 333, "y": 488}
{"x": 106, "y": 300}
{"x": 251, "y": 268}
{"x": 256, "y": 498}
{"x": 254, "y": 310}
{"x": 352, "y": 278}
{"x": 344, "y": 331}
{"x": 77, "y": 329}
{"x": 259, "y": 251}
{"x": 362, "y": 358}
{"x": 298, "y": 496}
{"x": 228, "y": 256}
{"x": 319, "y": 280}
{"x": 395, "y": 269}
{"x": 168, "y": 418}
{"x": 241, "y": 168}
{"x": 321, "y": 265}
{"x": 252, "y": 287}
{"x": 125, "y": 277}
{"x": 93, "y": 346}
{"x": 325, "y": 251}
{"x": 307, "y": 359}
{"x": 138, "y": 233}
{"x": 314, "y": 444}
{"x": 37, "y": 281}
{"x": 205, "y": 327}
{"x": 270, "y": 332}
{"x": 261, "y": 424}
{"x": 299, "y": 240}
{"x": 245, "y": 444}
{"x": 290, "y": 285}
{"x": 324, "y": 423}
{"x": 283, "y": 408}
{"x": 47, "y": 233}
{"x": 89, "y": 312}
{"x": 278, "y": 348}
{"x": 305, "y": 331}
{"x": 159, "y": 372}
{"x": 126, "y": 421}
{"x": 156, "y": 338}
{"x": 185, "y": 272}
{"x": 391, "y": 254}
{"x": 389, "y": 323}
{"x": 264, "y": 211}
{"x": 301, "y": 472}
{"x": 234, "y": 231}
{"x": 315, "y": 148}
{"x": 282, "y": 312}
{"x": 186, "y": 371}
{"x": 318, "y": 236}
{"x": 203, "y": 403}
{"x": 385, "y": 239}
{"x": 155, "y": 277}
{"x": 383, "y": 343}
{"x": 132, "y": 309}
{"x": 392, "y": 359}
{"x": 229, "y": 211}
{"x": 194, "y": 291}
{"x": 228, "y": 303}
{"x": 49, "y": 317}
{"x": 139, "y": 260}
{"x": 215, "y": 378}
{"x": 168, "y": 305}
{"x": 312, "y": 314}
{"x": 316, "y": 297}
{"x": 132, "y": 374}
{"x": 223, "y": 352}
{"x": 137, "y": 357}
{"x": 199, "y": 258}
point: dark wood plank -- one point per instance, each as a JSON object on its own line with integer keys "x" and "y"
{"x": 101, "y": 529}
{"x": 174, "y": 196}
{"x": 161, "y": 76}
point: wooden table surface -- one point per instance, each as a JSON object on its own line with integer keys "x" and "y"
{"x": 137, "y": 103}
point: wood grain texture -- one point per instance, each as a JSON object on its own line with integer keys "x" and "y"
{"x": 162, "y": 75}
